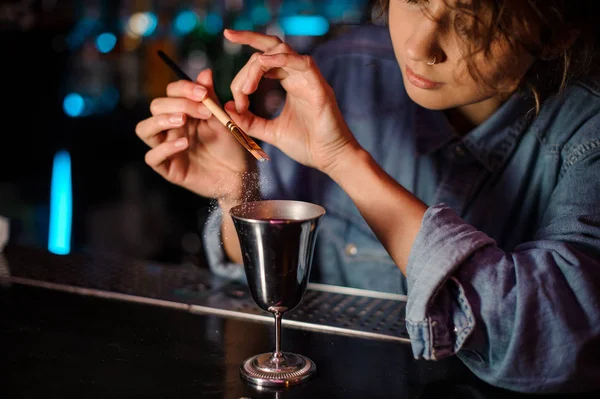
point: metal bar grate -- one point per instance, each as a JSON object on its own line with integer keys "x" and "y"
{"x": 326, "y": 308}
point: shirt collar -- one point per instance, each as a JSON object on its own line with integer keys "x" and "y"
{"x": 491, "y": 143}
{"x": 433, "y": 130}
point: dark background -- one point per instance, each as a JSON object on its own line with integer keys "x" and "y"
{"x": 51, "y": 51}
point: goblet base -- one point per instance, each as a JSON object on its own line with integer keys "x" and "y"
{"x": 290, "y": 369}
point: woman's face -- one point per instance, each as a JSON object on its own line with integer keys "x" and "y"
{"x": 429, "y": 46}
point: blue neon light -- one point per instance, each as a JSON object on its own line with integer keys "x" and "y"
{"x": 185, "y": 22}
{"x": 73, "y": 105}
{"x": 243, "y": 23}
{"x": 305, "y": 25}
{"x": 61, "y": 205}
{"x": 213, "y": 24}
{"x": 152, "y": 24}
{"x": 105, "y": 42}
{"x": 260, "y": 15}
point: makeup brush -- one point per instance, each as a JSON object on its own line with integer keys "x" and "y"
{"x": 221, "y": 115}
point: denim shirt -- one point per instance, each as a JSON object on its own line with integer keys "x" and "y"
{"x": 505, "y": 271}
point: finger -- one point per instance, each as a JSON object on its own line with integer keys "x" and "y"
{"x": 187, "y": 89}
{"x": 259, "y": 41}
{"x": 238, "y": 84}
{"x": 297, "y": 62}
{"x": 255, "y": 126}
{"x": 205, "y": 78}
{"x": 172, "y": 105}
{"x": 248, "y": 78}
{"x": 194, "y": 92}
{"x": 256, "y": 71}
{"x": 156, "y": 156}
{"x": 149, "y": 129}
{"x": 303, "y": 66}
{"x": 277, "y": 74}
{"x": 272, "y": 66}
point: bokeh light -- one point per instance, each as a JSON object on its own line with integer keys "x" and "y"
{"x": 105, "y": 42}
{"x": 185, "y": 22}
{"x": 231, "y": 48}
{"x": 61, "y": 205}
{"x": 213, "y": 24}
{"x": 305, "y": 25}
{"x": 243, "y": 23}
{"x": 142, "y": 24}
{"x": 73, "y": 105}
{"x": 260, "y": 15}
{"x": 198, "y": 60}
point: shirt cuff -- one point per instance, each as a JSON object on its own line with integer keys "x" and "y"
{"x": 218, "y": 262}
{"x": 439, "y": 317}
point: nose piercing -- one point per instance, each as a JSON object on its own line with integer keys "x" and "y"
{"x": 432, "y": 62}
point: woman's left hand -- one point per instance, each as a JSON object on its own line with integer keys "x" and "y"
{"x": 310, "y": 127}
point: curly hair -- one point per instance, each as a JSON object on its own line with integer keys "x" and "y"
{"x": 561, "y": 35}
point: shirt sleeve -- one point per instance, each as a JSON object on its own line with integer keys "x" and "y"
{"x": 217, "y": 260}
{"x": 527, "y": 320}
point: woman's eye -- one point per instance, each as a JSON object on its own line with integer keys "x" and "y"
{"x": 416, "y": 2}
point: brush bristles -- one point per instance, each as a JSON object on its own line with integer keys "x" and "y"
{"x": 247, "y": 142}
{"x": 260, "y": 155}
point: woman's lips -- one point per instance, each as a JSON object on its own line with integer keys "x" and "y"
{"x": 420, "y": 81}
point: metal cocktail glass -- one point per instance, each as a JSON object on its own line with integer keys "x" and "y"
{"x": 277, "y": 240}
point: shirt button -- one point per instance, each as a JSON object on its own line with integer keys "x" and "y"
{"x": 460, "y": 150}
{"x": 351, "y": 250}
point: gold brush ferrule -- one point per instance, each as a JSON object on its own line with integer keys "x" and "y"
{"x": 242, "y": 137}
{"x": 238, "y": 134}
{"x": 247, "y": 142}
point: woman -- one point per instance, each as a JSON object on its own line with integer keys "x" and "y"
{"x": 468, "y": 146}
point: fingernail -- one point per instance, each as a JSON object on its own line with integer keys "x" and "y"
{"x": 199, "y": 92}
{"x": 182, "y": 142}
{"x": 204, "y": 112}
{"x": 176, "y": 119}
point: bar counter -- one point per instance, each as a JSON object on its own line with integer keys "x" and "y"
{"x": 99, "y": 326}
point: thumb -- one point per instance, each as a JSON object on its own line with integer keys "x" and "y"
{"x": 250, "y": 123}
{"x": 205, "y": 78}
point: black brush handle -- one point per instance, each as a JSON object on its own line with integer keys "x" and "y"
{"x": 173, "y": 66}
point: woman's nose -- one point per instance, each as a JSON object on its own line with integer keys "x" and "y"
{"x": 422, "y": 45}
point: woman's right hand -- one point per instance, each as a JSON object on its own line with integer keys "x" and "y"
{"x": 191, "y": 148}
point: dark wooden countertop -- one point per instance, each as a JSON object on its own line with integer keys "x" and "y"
{"x": 60, "y": 344}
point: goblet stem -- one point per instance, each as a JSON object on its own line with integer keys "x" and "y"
{"x": 277, "y": 312}
{"x": 277, "y": 335}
